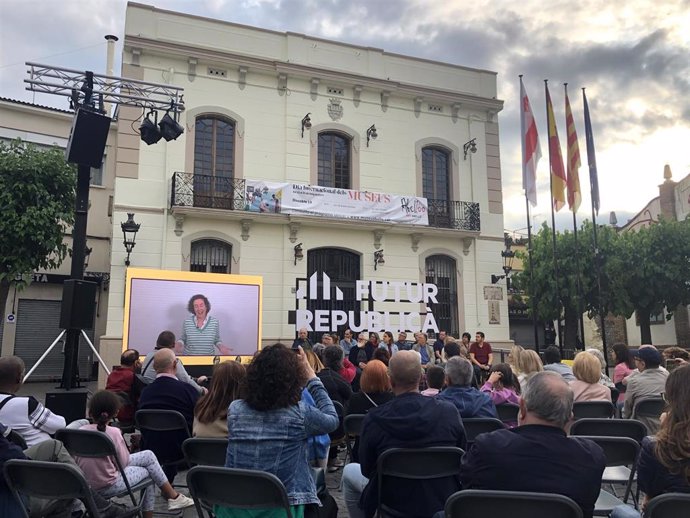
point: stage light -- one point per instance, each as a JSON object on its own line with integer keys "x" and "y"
{"x": 149, "y": 130}
{"x": 170, "y": 128}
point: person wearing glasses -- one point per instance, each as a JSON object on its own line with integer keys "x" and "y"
{"x": 649, "y": 382}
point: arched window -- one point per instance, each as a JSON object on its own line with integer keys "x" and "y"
{"x": 436, "y": 173}
{"x": 211, "y": 256}
{"x": 334, "y": 168}
{"x": 441, "y": 271}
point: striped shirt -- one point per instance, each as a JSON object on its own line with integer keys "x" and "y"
{"x": 200, "y": 340}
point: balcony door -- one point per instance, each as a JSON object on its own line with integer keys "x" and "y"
{"x": 441, "y": 271}
{"x": 436, "y": 184}
{"x": 214, "y": 162}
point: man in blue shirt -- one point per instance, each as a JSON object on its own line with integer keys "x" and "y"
{"x": 469, "y": 401}
{"x": 402, "y": 343}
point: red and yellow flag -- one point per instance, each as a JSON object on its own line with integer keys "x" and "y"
{"x": 558, "y": 178}
{"x": 574, "y": 193}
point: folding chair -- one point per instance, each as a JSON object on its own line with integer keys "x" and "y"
{"x": 205, "y": 451}
{"x": 415, "y": 464}
{"x": 612, "y": 428}
{"x": 507, "y": 413}
{"x": 669, "y": 505}
{"x": 235, "y": 488}
{"x": 49, "y": 480}
{"x": 164, "y": 421}
{"x": 477, "y": 503}
{"x": 353, "y": 429}
{"x": 95, "y": 444}
{"x": 601, "y": 409}
{"x": 649, "y": 407}
{"x": 619, "y": 451}
{"x": 478, "y": 425}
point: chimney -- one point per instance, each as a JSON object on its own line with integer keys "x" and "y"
{"x": 110, "y": 63}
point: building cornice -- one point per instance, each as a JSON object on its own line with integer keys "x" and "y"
{"x": 185, "y": 52}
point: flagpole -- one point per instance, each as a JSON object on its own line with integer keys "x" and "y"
{"x": 553, "y": 226}
{"x": 580, "y": 320}
{"x": 595, "y": 206}
{"x": 535, "y": 323}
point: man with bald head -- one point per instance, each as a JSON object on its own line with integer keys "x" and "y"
{"x": 538, "y": 455}
{"x": 167, "y": 393}
{"x": 409, "y": 420}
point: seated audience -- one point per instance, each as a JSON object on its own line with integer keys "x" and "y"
{"x": 481, "y": 355}
{"x": 624, "y": 367}
{"x": 636, "y": 370}
{"x": 122, "y": 381}
{"x": 663, "y": 463}
{"x": 302, "y": 340}
{"x": 338, "y": 390}
{"x": 375, "y": 390}
{"x": 501, "y": 386}
{"x": 603, "y": 377}
{"x": 435, "y": 380}
{"x": 348, "y": 342}
{"x": 469, "y": 401}
{"x": 648, "y": 382}
{"x": 211, "y": 411}
{"x": 362, "y": 353}
{"x": 528, "y": 364}
{"x": 167, "y": 393}
{"x": 25, "y": 415}
{"x": 102, "y": 472}
{"x": 675, "y": 353}
{"x": 552, "y": 362}
{"x": 388, "y": 343}
{"x": 402, "y": 343}
{"x": 438, "y": 345}
{"x": 382, "y": 355}
{"x": 166, "y": 340}
{"x": 268, "y": 429}
{"x": 409, "y": 420}
{"x": 327, "y": 339}
{"x": 538, "y": 455}
{"x": 425, "y": 350}
{"x": 314, "y": 360}
{"x": 49, "y": 450}
{"x": 348, "y": 371}
{"x": 586, "y": 386}
{"x": 514, "y": 358}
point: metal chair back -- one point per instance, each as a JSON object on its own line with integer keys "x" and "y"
{"x": 609, "y": 428}
{"x": 205, "y": 451}
{"x": 507, "y": 413}
{"x": 600, "y": 409}
{"x": 649, "y": 407}
{"x": 478, "y": 425}
{"x": 235, "y": 488}
{"x": 668, "y": 505}
{"x": 477, "y": 503}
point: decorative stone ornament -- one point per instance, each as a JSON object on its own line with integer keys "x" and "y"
{"x": 335, "y": 109}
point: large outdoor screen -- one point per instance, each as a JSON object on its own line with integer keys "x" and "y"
{"x": 209, "y": 314}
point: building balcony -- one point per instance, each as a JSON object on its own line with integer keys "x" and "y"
{"x": 230, "y": 194}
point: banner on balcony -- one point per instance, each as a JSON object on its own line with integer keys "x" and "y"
{"x": 292, "y": 198}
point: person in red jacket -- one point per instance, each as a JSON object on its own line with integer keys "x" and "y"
{"x": 122, "y": 381}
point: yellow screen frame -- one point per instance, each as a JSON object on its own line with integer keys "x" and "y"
{"x": 173, "y": 275}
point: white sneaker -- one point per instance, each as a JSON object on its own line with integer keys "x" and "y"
{"x": 180, "y": 502}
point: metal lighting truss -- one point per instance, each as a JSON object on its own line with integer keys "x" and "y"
{"x": 107, "y": 89}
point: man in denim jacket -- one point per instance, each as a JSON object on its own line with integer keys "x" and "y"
{"x": 409, "y": 420}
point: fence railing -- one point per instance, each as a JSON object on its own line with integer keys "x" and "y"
{"x": 218, "y": 192}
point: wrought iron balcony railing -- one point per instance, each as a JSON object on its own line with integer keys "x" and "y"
{"x": 217, "y": 192}
{"x": 459, "y": 215}
{"x": 214, "y": 192}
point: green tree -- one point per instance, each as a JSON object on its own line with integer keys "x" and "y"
{"x": 576, "y": 263}
{"x": 650, "y": 270}
{"x": 37, "y": 200}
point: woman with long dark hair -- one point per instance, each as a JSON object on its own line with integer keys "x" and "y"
{"x": 664, "y": 461}
{"x": 269, "y": 427}
{"x": 211, "y": 411}
{"x": 625, "y": 365}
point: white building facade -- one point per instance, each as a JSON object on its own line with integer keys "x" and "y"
{"x": 247, "y": 93}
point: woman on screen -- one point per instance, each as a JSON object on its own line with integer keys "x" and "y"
{"x": 200, "y": 331}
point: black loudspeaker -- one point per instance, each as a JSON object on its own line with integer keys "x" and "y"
{"x": 78, "y": 304}
{"x": 70, "y": 404}
{"x": 87, "y": 139}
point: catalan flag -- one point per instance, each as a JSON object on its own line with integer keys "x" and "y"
{"x": 531, "y": 150}
{"x": 558, "y": 178}
{"x": 573, "y": 157}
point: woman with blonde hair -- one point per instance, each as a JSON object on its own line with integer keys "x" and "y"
{"x": 514, "y": 358}
{"x": 528, "y": 363}
{"x": 314, "y": 361}
{"x": 586, "y": 386}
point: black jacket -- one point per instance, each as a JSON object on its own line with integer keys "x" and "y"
{"x": 368, "y": 350}
{"x": 409, "y": 421}
{"x": 360, "y": 404}
{"x": 536, "y": 458}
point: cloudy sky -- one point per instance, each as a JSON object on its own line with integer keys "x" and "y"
{"x": 633, "y": 56}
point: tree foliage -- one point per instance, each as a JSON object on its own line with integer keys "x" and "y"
{"x": 37, "y": 199}
{"x": 641, "y": 271}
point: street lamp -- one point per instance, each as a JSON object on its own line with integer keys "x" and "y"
{"x": 129, "y": 231}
